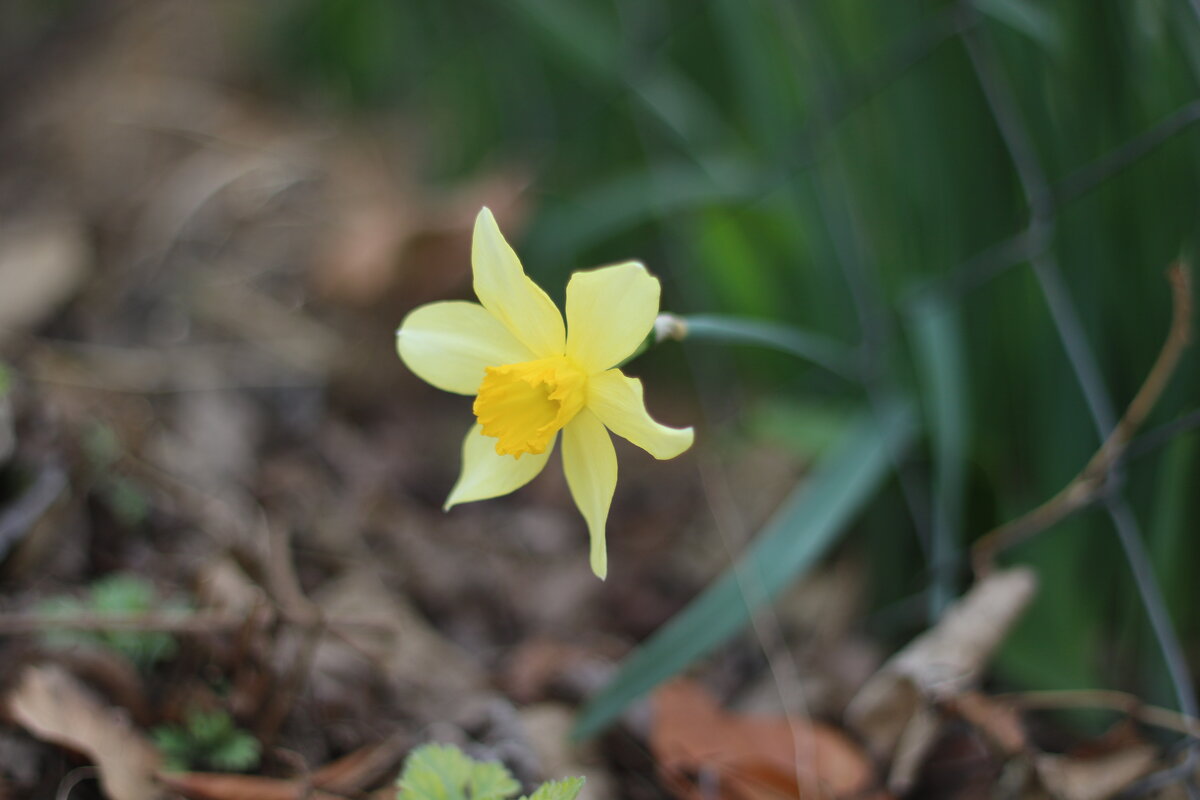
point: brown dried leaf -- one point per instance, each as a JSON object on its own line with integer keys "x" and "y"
{"x": 42, "y": 263}
{"x": 52, "y": 705}
{"x": 916, "y": 742}
{"x": 414, "y": 657}
{"x": 1072, "y": 778}
{"x": 942, "y": 662}
{"x": 749, "y": 756}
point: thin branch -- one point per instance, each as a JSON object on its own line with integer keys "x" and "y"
{"x": 1084, "y": 365}
{"x": 1089, "y": 485}
{"x": 26, "y": 624}
{"x": 285, "y": 590}
{"x": 1121, "y": 702}
{"x": 1178, "y": 338}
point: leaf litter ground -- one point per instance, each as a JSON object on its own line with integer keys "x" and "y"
{"x": 200, "y": 289}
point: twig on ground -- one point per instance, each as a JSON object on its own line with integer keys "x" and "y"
{"x": 25, "y": 624}
{"x": 1122, "y": 702}
{"x": 285, "y": 589}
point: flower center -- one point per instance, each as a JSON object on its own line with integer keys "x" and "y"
{"x": 523, "y": 405}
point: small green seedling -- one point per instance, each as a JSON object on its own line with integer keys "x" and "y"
{"x": 124, "y": 497}
{"x": 207, "y": 740}
{"x": 119, "y": 596}
{"x": 443, "y": 772}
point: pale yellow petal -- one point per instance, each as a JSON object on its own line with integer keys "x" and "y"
{"x": 486, "y": 474}
{"x": 610, "y": 311}
{"x": 505, "y": 290}
{"x": 591, "y": 466}
{"x": 449, "y": 344}
{"x": 617, "y": 400}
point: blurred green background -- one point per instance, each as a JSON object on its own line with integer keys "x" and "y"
{"x": 847, "y": 167}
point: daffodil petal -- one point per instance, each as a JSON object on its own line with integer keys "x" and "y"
{"x": 591, "y": 466}
{"x": 617, "y": 400}
{"x": 610, "y": 311}
{"x": 507, "y": 292}
{"x": 450, "y": 344}
{"x": 486, "y": 474}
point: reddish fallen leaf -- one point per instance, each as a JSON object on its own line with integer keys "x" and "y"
{"x": 365, "y": 767}
{"x": 217, "y": 786}
{"x": 704, "y": 752}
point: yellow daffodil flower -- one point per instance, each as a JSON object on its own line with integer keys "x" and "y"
{"x": 532, "y": 377}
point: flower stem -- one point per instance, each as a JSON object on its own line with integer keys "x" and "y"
{"x": 834, "y": 356}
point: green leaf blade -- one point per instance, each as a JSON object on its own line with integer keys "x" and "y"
{"x": 942, "y": 366}
{"x": 1030, "y": 19}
